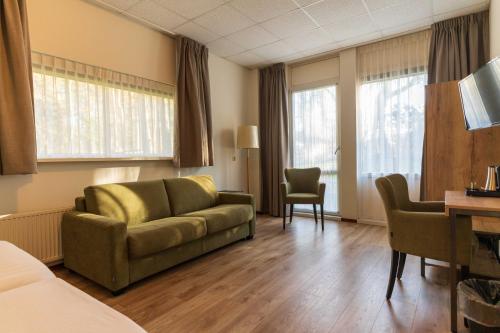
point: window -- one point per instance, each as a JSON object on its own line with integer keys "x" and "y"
{"x": 392, "y": 76}
{"x": 84, "y": 112}
{"x": 314, "y": 138}
{"x": 391, "y": 130}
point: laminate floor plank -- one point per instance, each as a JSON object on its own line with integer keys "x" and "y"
{"x": 297, "y": 280}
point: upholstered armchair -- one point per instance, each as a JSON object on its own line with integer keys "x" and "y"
{"x": 302, "y": 186}
{"x": 419, "y": 228}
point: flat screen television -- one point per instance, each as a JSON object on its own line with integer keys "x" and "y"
{"x": 480, "y": 94}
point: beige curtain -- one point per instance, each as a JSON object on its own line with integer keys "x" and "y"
{"x": 17, "y": 124}
{"x": 459, "y": 46}
{"x": 194, "y": 147}
{"x": 273, "y": 113}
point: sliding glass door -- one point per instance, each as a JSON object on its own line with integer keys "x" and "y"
{"x": 314, "y": 138}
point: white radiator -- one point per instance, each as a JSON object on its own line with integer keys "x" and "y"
{"x": 38, "y": 233}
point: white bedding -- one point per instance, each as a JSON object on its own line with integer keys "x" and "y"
{"x": 54, "y": 306}
{"x": 19, "y": 268}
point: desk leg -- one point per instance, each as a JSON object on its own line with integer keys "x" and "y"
{"x": 453, "y": 270}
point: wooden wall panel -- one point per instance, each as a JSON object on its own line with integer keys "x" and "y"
{"x": 453, "y": 156}
{"x": 448, "y": 145}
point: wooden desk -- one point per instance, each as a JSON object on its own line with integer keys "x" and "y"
{"x": 458, "y": 204}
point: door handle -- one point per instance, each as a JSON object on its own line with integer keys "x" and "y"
{"x": 337, "y": 150}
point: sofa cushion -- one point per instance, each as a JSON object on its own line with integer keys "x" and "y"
{"x": 223, "y": 217}
{"x": 156, "y": 236}
{"x": 188, "y": 194}
{"x": 132, "y": 203}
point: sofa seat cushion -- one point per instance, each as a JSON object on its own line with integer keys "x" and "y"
{"x": 303, "y": 198}
{"x": 223, "y": 217}
{"x": 156, "y": 236}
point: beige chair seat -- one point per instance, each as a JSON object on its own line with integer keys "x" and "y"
{"x": 303, "y": 198}
{"x": 152, "y": 237}
{"x": 224, "y": 217}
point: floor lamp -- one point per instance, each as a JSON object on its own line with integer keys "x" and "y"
{"x": 248, "y": 138}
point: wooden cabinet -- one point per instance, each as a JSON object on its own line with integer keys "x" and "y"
{"x": 453, "y": 157}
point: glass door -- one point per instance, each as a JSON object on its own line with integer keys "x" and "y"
{"x": 314, "y": 138}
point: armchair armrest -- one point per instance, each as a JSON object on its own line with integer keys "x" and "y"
{"x": 321, "y": 192}
{"x": 285, "y": 190}
{"x": 427, "y": 234}
{"x": 427, "y": 206}
{"x": 96, "y": 247}
{"x": 240, "y": 198}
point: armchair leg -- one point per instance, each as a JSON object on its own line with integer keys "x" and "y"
{"x": 291, "y": 212}
{"x": 284, "y": 215}
{"x": 401, "y": 264}
{"x": 392, "y": 275}
{"x": 422, "y": 267}
{"x": 322, "y": 218}
{"x": 315, "y": 213}
{"x": 464, "y": 272}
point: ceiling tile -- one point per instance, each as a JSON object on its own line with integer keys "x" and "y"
{"x": 309, "y": 40}
{"x": 252, "y": 37}
{"x": 274, "y": 50}
{"x": 353, "y": 27}
{"x": 443, "y": 6}
{"x": 402, "y": 14}
{"x": 224, "y": 48}
{"x": 247, "y": 59}
{"x": 289, "y": 24}
{"x": 379, "y": 4}
{"x": 329, "y": 11}
{"x": 303, "y": 3}
{"x": 361, "y": 39}
{"x": 224, "y": 20}
{"x": 190, "y": 8}
{"x": 262, "y": 10}
{"x": 408, "y": 27}
{"x": 196, "y": 32}
{"x": 120, "y": 4}
{"x": 156, "y": 14}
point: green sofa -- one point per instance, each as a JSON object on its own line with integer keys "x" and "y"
{"x": 121, "y": 233}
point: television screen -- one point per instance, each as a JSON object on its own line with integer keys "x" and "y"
{"x": 480, "y": 93}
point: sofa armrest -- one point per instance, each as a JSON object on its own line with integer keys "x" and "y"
{"x": 240, "y": 198}
{"x": 236, "y": 198}
{"x": 96, "y": 247}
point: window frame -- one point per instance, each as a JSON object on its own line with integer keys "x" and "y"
{"x": 311, "y": 86}
{"x": 112, "y": 159}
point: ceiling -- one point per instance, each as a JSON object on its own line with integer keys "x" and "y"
{"x": 254, "y": 33}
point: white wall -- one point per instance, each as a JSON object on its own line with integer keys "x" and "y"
{"x": 81, "y": 31}
{"x": 495, "y": 28}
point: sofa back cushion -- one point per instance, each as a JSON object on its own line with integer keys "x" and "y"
{"x": 133, "y": 203}
{"x": 188, "y": 194}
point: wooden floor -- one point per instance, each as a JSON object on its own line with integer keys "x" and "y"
{"x": 298, "y": 280}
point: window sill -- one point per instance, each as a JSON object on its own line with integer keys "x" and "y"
{"x": 103, "y": 159}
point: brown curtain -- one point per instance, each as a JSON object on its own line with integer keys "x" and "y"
{"x": 17, "y": 122}
{"x": 194, "y": 147}
{"x": 459, "y": 46}
{"x": 273, "y": 115}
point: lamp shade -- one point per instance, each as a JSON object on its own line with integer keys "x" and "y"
{"x": 248, "y": 137}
